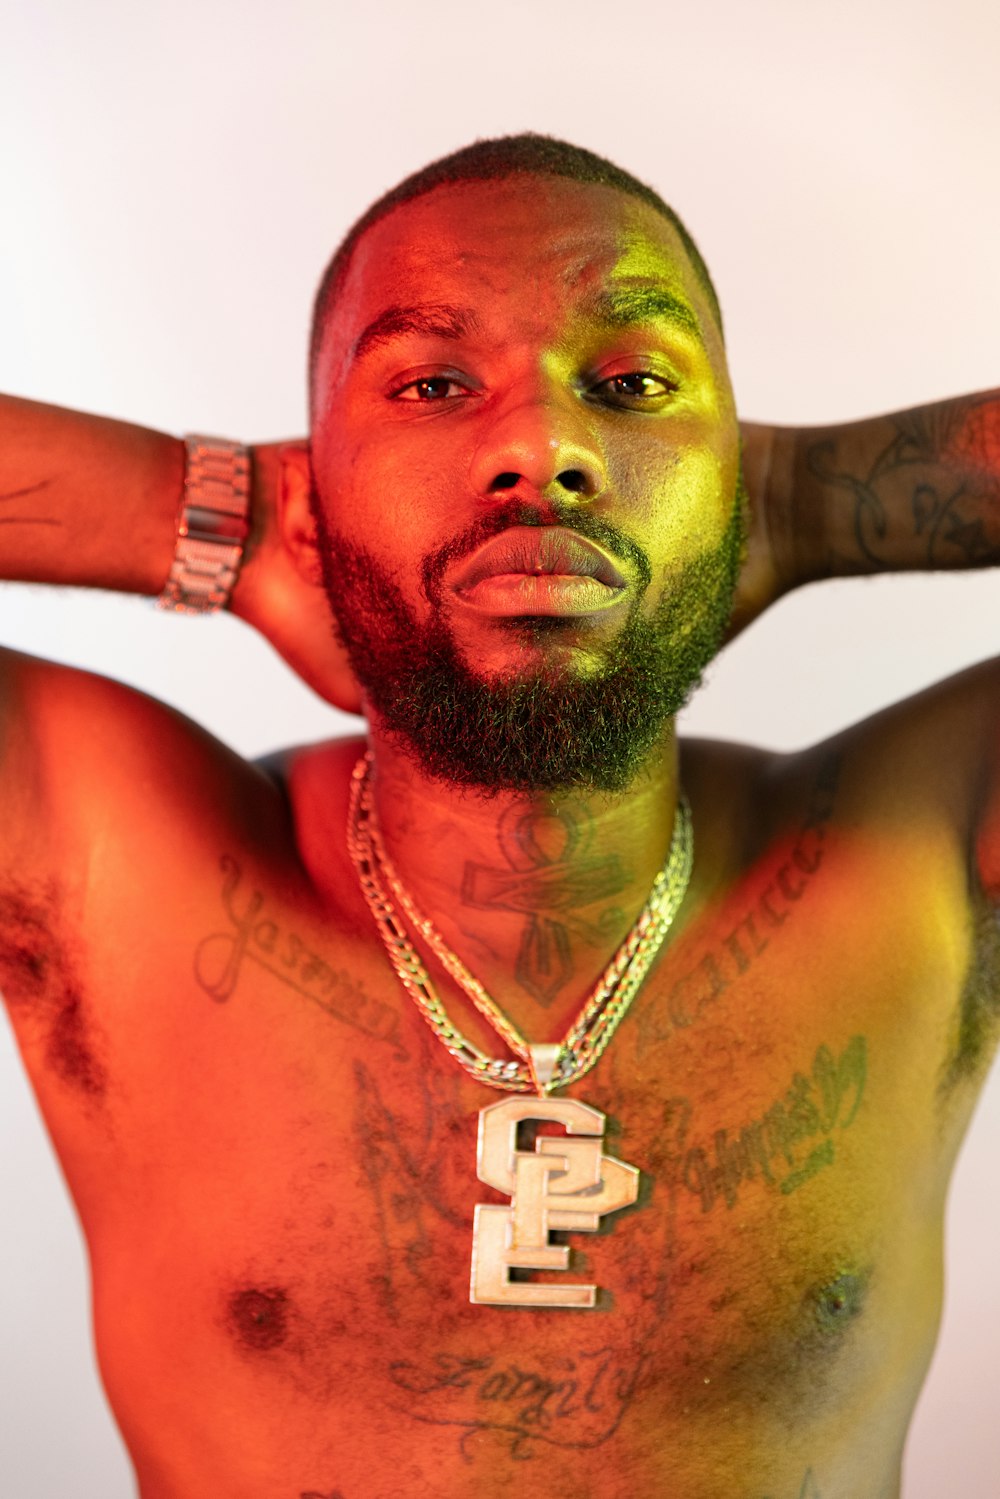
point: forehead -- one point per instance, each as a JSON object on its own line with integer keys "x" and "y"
{"x": 542, "y": 242}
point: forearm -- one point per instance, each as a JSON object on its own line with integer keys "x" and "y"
{"x": 915, "y": 490}
{"x": 84, "y": 500}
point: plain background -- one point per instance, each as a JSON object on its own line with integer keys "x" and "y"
{"x": 172, "y": 178}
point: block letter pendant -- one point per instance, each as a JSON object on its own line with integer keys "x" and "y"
{"x": 564, "y": 1183}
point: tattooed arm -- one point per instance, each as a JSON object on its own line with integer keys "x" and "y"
{"x": 914, "y": 491}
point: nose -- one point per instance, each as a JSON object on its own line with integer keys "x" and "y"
{"x": 541, "y": 447}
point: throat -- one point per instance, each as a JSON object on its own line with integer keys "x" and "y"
{"x": 522, "y": 922}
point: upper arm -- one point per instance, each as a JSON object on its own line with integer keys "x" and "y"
{"x": 83, "y": 759}
{"x": 933, "y": 760}
{"x": 24, "y": 824}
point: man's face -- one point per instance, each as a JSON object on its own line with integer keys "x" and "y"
{"x": 527, "y": 471}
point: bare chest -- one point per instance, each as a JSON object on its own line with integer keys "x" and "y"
{"x": 303, "y": 1175}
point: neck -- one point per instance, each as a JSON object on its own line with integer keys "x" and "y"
{"x": 534, "y": 892}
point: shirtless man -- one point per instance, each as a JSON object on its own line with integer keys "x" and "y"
{"x": 525, "y": 510}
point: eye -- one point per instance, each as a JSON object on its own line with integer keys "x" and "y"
{"x": 639, "y": 387}
{"x": 430, "y": 388}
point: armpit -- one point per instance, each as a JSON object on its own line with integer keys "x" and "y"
{"x": 977, "y": 1027}
{"x": 43, "y": 991}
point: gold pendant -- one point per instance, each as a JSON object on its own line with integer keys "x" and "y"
{"x": 564, "y": 1183}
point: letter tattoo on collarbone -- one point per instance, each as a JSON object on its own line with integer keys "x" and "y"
{"x": 252, "y": 935}
{"x": 731, "y": 956}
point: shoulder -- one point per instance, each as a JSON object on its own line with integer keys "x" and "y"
{"x": 314, "y": 783}
{"x": 88, "y": 763}
{"x": 929, "y": 763}
{"x": 929, "y": 757}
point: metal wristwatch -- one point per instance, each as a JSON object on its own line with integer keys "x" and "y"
{"x": 212, "y": 527}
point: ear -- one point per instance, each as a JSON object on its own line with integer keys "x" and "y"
{"x": 295, "y": 517}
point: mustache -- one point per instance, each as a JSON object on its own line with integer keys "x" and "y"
{"x": 523, "y": 513}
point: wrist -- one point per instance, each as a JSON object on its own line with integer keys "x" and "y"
{"x": 212, "y": 527}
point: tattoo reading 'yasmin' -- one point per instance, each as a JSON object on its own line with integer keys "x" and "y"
{"x": 252, "y": 935}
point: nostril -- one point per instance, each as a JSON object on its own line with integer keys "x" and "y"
{"x": 573, "y": 480}
{"x": 505, "y": 481}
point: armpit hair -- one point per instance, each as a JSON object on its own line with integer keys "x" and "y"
{"x": 42, "y": 988}
{"x": 979, "y": 1004}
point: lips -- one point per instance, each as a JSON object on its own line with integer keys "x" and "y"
{"x": 535, "y": 550}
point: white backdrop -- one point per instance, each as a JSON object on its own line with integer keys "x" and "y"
{"x": 172, "y": 177}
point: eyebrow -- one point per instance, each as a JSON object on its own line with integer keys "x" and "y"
{"x": 629, "y": 307}
{"x": 624, "y": 307}
{"x": 433, "y": 319}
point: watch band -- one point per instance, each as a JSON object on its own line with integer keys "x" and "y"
{"x": 212, "y": 526}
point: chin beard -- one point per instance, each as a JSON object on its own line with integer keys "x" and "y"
{"x": 541, "y": 731}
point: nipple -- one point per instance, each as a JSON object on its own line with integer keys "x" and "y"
{"x": 840, "y": 1301}
{"x": 259, "y": 1319}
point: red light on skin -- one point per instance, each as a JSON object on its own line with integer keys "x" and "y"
{"x": 974, "y": 442}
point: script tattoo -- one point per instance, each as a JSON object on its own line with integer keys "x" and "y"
{"x": 251, "y": 935}
{"x": 786, "y": 1145}
{"x": 578, "y": 1405}
{"x": 702, "y": 985}
{"x": 945, "y": 457}
{"x": 550, "y": 878}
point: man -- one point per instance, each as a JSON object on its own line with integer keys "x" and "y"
{"x": 270, "y": 1010}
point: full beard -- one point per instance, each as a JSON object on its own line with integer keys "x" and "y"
{"x": 542, "y": 731}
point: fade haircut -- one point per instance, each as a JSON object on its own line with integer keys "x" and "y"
{"x": 491, "y": 161}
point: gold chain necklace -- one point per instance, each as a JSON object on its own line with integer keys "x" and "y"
{"x": 562, "y": 1183}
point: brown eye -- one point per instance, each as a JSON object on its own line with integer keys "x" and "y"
{"x": 433, "y": 388}
{"x": 635, "y": 385}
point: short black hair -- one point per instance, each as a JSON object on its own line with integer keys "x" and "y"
{"x": 488, "y": 161}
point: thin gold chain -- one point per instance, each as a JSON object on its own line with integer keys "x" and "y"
{"x": 602, "y": 1012}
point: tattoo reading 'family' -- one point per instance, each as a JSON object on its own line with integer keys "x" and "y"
{"x": 949, "y": 505}
{"x": 252, "y": 936}
{"x": 728, "y": 960}
{"x": 548, "y": 879}
{"x": 579, "y": 1406}
{"x": 785, "y": 1145}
